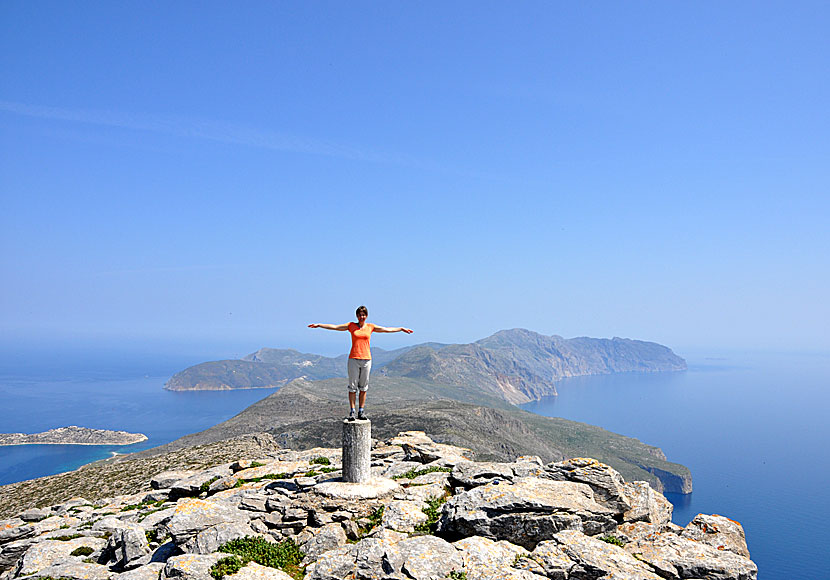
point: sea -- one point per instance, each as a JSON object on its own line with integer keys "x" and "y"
{"x": 752, "y": 426}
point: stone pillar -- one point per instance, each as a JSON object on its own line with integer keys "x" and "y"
{"x": 357, "y": 451}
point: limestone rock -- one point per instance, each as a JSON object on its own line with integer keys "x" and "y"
{"x": 482, "y": 557}
{"x": 403, "y": 516}
{"x": 675, "y": 557}
{"x": 208, "y": 540}
{"x": 422, "y": 558}
{"x": 553, "y": 560}
{"x": 35, "y": 514}
{"x": 166, "y": 479}
{"x": 200, "y": 481}
{"x": 607, "y": 483}
{"x": 254, "y": 571}
{"x": 15, "y": 529}
{"x": 194, "y": 515}
{"x": 72, "y": 570}
{"x": 719, "y": 532}
{"x": 11, "y": 552}
{"x": 595, "y": 558}
{"x": 126, "y": 545}
{"x": 149, "y": 571}
{"x": 471, "y": 474}
{"x": 525, "y": 513}
{"x": 53, "y": 552}
{"x": 329, "y": 537}
{"x": 647, "y": 505}
{"x": 190, "y": 566}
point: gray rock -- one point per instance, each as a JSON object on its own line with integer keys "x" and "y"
{"x": 329, "y": 537}
{"x": 254, "y": 503}
{"x": 53, "y": 552}
{"x": 404, "y": 516}
{"x": 208, "y": 540}
{"x": 11, "y": 552}
{"x": 72, "y": 570}
{"x": 194, "y": 515}
{"x": 481, "y": 557}
{"x": 632, "y": 531}
{"x": 597, "y": 559}
{"x": 15, "y": 529}
{"x": 469, "y": 474}
{"x": 149, "y": 571}
{"x": 553, "y": 560}
{"x": 719, "y": 532}
{"x": 157, "y": 519}
{"x": 166, "y": 479}
{"x": 607, "y": 483}
{"x": 190, "y": 566}
{"x": 126, "y": 545}
{"x": 197, "y": 482}
{"x": 156, "y": 495}
{"x": 647, "y": 505}
{"x": 334, "y": 565}
{"x": 254, "y": 571}
{"x": 35, "y": 514}
{"x": 106, "y": 524}
{"x": 422, "y": 558}
{"x": 675, "y": 557}
{"x": 399, "y": 468}
{"x": 526, "y": 513}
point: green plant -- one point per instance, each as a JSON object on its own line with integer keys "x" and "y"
{"x": 152, "y": 536}
{"x": 256, "y": 464}
{"x": 613, "y": 540}
{"x": 433, "y": 512}
{"x": 414, "y": 472}
{"x": 226, "y": 566}
{"x": 267, "y": 476}
{"x": 457, "y": 575}
{"x": 66, "y": 538}
{"x": 328, "y": 469}
{"x": 285, "y": 556}
{"x": 82, "y": 551}
{"x": 321, "y": 460}
{"x": 311, "y": 473}
{"x": 64, "y": 527}
{"x": 206, "y": 485}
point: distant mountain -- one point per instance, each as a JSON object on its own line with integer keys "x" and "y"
{"x": 514, "y": 365}
{"x": 520, "y": 366}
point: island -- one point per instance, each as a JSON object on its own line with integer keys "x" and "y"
{"x": 73, "y": 435}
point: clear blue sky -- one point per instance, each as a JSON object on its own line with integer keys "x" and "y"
{"x": 224, "y": 173}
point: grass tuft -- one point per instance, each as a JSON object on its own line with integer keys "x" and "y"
{"x": 415, "y": 472}
{"x": 285, "y": 556}
{"x": 321, "y": 460}
{"x": 613, "y": 540}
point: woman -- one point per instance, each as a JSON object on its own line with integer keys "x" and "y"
{"x": 360, "y": 357}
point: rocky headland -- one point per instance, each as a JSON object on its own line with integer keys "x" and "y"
{"x": 275, "y": 513}
{"x": 516, "y": 365}
{"x": 73, "y": 435}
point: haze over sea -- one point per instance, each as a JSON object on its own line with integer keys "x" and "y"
{"x": 751, "y": 426}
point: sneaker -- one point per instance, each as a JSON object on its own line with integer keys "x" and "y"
{"x": 351, "y": 416}
{"x": 362, "y": 416}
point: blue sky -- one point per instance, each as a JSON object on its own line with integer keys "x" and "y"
{"x": 224, "y": 174}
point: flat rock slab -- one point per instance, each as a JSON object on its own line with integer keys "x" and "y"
{"x": 374, "y": 488}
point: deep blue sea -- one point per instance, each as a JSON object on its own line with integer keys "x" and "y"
{"x": 753, "y": 428}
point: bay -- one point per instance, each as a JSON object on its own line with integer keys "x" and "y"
{"x": 753, "y": 429}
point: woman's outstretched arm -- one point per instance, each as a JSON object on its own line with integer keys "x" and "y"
{"x": 393, "y": 329}
{"x": 331, "y": 326}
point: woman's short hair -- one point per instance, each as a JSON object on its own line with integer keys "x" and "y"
{"x": 362, "y": 309}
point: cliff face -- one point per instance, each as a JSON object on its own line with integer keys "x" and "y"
{"x": 428, "y": 513}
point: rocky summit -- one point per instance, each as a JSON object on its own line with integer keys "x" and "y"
{"x": 428, "y": 512}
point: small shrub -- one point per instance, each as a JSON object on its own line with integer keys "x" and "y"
{"x": 433, "y": 512}
{"x": 414, "y": 472}
{"x": 321, "y": 460}
{"x": 376, "y": 516}
{"x": 285, "y": 556}
{"x": 152, "y": 536}
{"x": 131, "y": 507}
{"x": 82, "y": 551}
{"x": 311, "y": 473}
{"x": 206, "y": 485}
{"x": 226, "y": 567}
{"x": 64, "y": 526}
{"x": 256, "y": 464}
{"x": 328, "y": 469}
{"x": 613, "y": 540}
{"x": 66, "y": 538}
{"x": 457, "y": 575}
{"x": 267, "y": 476}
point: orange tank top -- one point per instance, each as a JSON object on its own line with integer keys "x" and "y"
{"x": 360, "y": 340}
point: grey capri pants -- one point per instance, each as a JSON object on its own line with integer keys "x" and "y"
{"x": 359, "y": 374}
